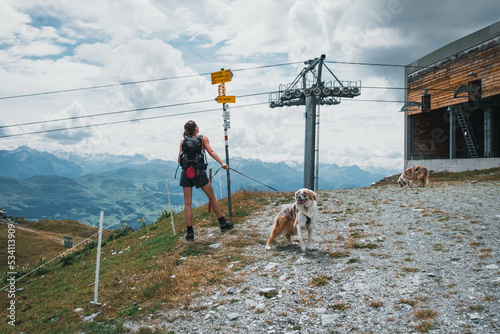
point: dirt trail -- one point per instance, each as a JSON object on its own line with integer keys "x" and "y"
{"x": 45, "y": 234}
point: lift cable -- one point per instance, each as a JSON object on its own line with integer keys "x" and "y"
{"x": 137, "y": 82}
{"x": 191, "y": 76}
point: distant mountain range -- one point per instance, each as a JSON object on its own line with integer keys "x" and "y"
{"x": 40, "y": 185}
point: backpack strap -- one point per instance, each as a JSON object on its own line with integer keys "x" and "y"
{"x": 175, "y": 176}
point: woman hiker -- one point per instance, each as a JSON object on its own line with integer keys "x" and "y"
{"x": 192, "y": 160}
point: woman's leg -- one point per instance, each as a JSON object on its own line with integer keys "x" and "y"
{"x": 224, "y": 225}
{"x": 188, "y": 199}
{"x": 209, "y": 191}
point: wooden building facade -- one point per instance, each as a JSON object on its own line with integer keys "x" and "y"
{"x": 452, "y": 109}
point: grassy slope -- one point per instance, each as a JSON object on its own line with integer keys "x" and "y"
{"x": 142, "y": 272}
{"x": 155, "y": 270}
{"x": 43, "y": 239}
{"x": 32, "y": 244}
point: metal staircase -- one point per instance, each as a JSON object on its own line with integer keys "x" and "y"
{"x": 466, "y": 127}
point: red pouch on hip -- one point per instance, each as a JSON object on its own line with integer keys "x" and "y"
{"x": 190, "y": 172}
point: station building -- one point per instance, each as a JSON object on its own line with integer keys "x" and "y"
{"x": 452, "y": 108}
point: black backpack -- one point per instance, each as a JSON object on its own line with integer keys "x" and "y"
{"x": 191, "y": 154}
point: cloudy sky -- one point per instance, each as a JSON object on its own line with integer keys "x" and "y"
{"x": 89, "y": 55}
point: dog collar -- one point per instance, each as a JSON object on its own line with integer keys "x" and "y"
{"x": 308, "y": 219}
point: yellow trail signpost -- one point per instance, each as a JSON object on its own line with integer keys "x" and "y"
{"x": 226, "y": 99}
{"x": 221, "y": 76}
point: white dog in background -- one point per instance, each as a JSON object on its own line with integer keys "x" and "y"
{"x": 296, "y": 217}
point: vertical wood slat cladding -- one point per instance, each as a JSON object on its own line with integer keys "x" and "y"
{"x": 442, "y": 79}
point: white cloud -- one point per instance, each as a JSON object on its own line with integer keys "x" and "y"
{"x": 11, "y": 21}
{"x": 69, "y": 137}
{"x": 36, "y": 49}
{"x": 57, "y": 45}
{"x": 128, "y": 62}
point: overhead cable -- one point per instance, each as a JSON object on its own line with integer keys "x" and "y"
{"x": 182, "y": 104}
{"x": 121, "y": 111}
{"x": 123, "y": 121}
{"x": 135, "y": 82}
{"x": 163, "y": 116}
{"x": 103, "y": 114}
{"x": 191, "y": 76}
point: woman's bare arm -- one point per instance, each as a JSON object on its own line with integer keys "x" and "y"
{"x": 213, "y": 154}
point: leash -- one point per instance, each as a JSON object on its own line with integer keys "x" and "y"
{"x": 176, "y": 171}
{"x": 234, "y": 170}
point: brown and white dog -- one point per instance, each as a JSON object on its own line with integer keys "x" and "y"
{"x": 293, "y": 218}
{"x": 413, "y": 174}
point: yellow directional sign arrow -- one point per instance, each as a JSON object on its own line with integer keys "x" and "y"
{"x": 226, "y": 99}
{"x": 221, "y": 76}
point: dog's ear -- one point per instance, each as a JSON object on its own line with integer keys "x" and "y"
{"x": 314, "y": 195}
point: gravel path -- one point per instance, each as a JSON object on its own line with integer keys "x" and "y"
{"x": 385, "y": 260}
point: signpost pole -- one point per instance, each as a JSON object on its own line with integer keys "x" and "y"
{"x": 221, "y": 78}
{"x": 226, "y": 125}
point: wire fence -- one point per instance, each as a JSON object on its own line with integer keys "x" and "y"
{"x": 119, "y": 222}
{"x": 84, "y": 241}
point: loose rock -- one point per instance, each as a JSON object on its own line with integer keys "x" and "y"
{"x": 380, "y": 256}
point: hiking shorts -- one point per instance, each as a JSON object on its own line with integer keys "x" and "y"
{"x": 198, "y": 181}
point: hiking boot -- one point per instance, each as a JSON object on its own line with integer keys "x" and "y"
{"x": 190, "y": 234}
{"x": 226, "y": 226}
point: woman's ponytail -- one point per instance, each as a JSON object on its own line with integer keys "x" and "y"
{"x": 189, "y": 129}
